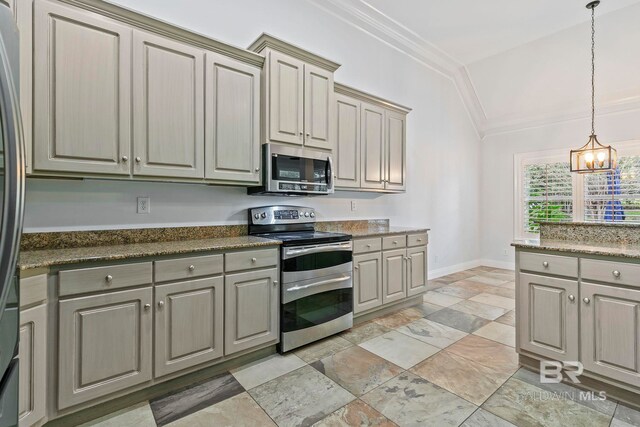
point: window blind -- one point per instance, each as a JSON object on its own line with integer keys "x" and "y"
{"x": 548, "y": 194}
{"x": 614, "y": 196}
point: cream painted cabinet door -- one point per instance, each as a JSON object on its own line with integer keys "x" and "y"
{"x": 33, "y": 365}
{"x": 367, "y": 281}
{"x": 232, "y": 120}
{"x": 548, "y": 316}
{"x": 318, "y": 107}
{"x": 105, "y": 344}
{"x": 189, "y": 324}
{"x": 394, "y": 275}
{"x": 372, "y": 147}
{"x": 347, "y": 149}
{"x": 610, "y": 322}
{"x": 286, "y": 99}
{"x": 168, "y": 101}
{"x": 82, "y": 75}
{"x": 396, "y": 144}
{"x": 416, "y": 270}
{"x": 251, "y": 309}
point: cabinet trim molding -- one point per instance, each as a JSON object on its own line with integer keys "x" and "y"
{"x": 370, "y": 98}
{"x": 267, "y": 41}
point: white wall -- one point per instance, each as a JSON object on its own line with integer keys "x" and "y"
{"x": 443, "y": 150}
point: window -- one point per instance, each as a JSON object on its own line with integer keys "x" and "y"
{"x": 545, "y": 190}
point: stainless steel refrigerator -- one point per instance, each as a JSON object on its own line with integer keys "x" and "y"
{"x": 12, "y": 172}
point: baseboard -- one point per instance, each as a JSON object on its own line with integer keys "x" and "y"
{"x": 507, "y": 265}
{"x": 439, "y": 272}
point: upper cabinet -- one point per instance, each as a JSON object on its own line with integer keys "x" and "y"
{"x": 82, "y": 81}
{"x": 298, "y": 104}
{"x": 371, "y": 142}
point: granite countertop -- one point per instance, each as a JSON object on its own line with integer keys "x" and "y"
{"x": 375, "y": 230}
{"x": 590, "y": 248}
{"x": 50, "y": 257}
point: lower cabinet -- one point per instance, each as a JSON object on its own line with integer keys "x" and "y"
{"x": 251, "y": 309}
{"x": 189, "y": 324}
{"x": 610, "y": 324}
{"x": 105, "y": 344}
{"x": 367, "y": 281}
{"x": 416, "y": 270}
{"x": 33, "y": 354}
{"x": 394, "y": 275}
{"x": 548, "y": 316}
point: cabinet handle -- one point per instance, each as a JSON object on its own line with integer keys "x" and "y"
{"x": 616, "y": 274}
{"x": 572, "y": 298}
{"x": 586, "y": 300}
{"x": 254, "y": 260}
{"x": 160, "y": 304}
{"x": 125, "y": 159}
{"x": 109, "y": 278}
{"x": 138, "y": 159}
{"x": 545, "y": 264}
{"x": 147, "y": 306}
{"x": 192, "y": 267}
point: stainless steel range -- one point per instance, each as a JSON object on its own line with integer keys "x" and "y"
{"x": 316, "y": 279}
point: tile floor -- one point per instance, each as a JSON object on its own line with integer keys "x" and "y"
{"x": 448, "y": 362}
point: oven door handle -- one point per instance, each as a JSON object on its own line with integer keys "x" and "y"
{"x": 320, "y": 283}
{"x": 290, "y": 253}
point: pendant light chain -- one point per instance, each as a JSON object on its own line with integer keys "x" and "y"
{"x": 593, "y": 71}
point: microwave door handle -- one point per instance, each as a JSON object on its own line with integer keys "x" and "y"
{"x": 330, "y": 172}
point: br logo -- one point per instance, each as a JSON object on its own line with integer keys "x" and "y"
{"x": 551, "y": 372}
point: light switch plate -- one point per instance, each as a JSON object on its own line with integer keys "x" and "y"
{"x": 144, "y": 205}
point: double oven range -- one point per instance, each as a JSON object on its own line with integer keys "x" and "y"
{"x": 316, "y": 298}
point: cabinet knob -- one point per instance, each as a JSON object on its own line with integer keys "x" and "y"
{"x": 301, "y": 133}
{"x": 368, "y": 245}
{"x": 419, "y": 240}
{"x": 160, "y": 304}
{"x": 395, "y": 242}
{"x": 125, "y": 159}
{"x": 572, "y": 298}
{"x": 138, "y": 159}
{"x": 147, "y": 306}
{"x": 192, "y": 267}
{"x": 254, "y": 259}
{"x": 545, "y": 264}
{"x": 586, "y": 300}
{"x": 109, "y": 278}
{"x": 357, "y": 267}
{"x": 616, "y": 273}
{"x": 258, "y": 169}
{"x": 275, "y": 283}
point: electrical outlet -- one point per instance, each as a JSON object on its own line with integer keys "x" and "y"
{"x": 505, "y": 252}
{"x": 353, "y": 206}
{"x": 435, "y": 259}
{"x": 144, "y": 205}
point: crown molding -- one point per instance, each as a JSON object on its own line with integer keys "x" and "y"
{"x": 267, "y": 41}
{"x": 367, "y": 97}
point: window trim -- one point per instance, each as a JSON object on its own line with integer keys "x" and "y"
{"x": 520, "y": 160}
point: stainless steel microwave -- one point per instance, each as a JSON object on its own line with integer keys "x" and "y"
{"x": 289, "y": 171}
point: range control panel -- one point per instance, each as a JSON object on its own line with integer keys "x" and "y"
{"x": 281, "y": 215}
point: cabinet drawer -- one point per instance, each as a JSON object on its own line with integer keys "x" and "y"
{"x": 33, "y": 290}
{"x": 549, "y": 264}
{"x": 394, "y": 242}
{"x": 611, "y": 272}
{"x": 367, "y": 245}
{"x": 236, "y": 261}
{"x": 104, "y": 278}
{"x": 420, "y": 239}
{"x": 185, "y": 268}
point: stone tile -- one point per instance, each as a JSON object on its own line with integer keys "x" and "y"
{"x": 300, "y": 398}
{"x": 320, "y": 349}
{"x": 482, "y": 418}
{"x": 238, "y": 411}
{"x": 427, "y": 308}
{"x": 357, "y": 370}
{"x": 399, "y": 318}
{"x": 469, "y": 380}
{"x": 626, "y": 414}
{"x": 508, "y": 319}
{"x": 460, "y": 275}
{"x": 171, "y": 407}
{"x": 481, "y": 269}
{"x": 498, "y": 301}
{"x": 436, "y": 283}
{"x": 485, "y": 352}
{"x": 356, "y": 413}
{"x": 619, "y": 423}
{"x": 263, "y": 370}
{"x": 495, "y": 331}
{"x": 458, "y": 320}
{"x": 524, "y": 405}
{"x": 488, "y": 280}
{"x": 503, "y": 292}
{"x": 508, "y": 276}
{"x": 607, "y": 407}
{"x": 509, "y": 285}
{"x": 433, "y": 333}
{"x": 399, "y": 349}
{"x": 504, "y": 271}
{"x": 364, "y": 332}
{"x": 409, "y": 400}
{"x": 485, "y": 311}
{"x": 458, "y": 290}
{"x": 440, "y": 299}
{"x": 136, "y": 415}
